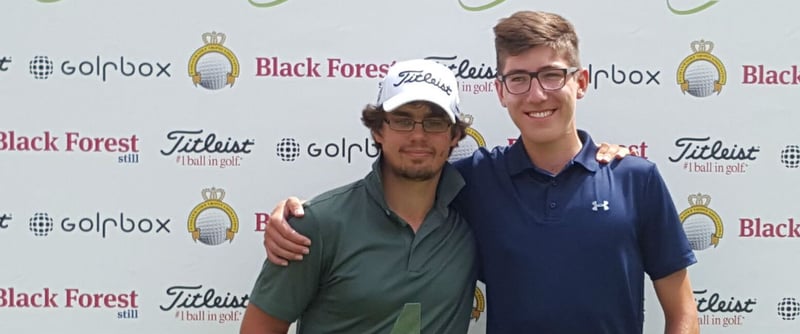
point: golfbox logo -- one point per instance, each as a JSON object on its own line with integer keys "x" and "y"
{"x": 788, "y": 308}
{"x": 195, "y": 148}
{"x": 701, "y": 73}
{"x": 213, "y": 66}
{"x": 213, "y": 221}
{"x": 473, "y": 77}
{"x": 703, "y": 226}
{"x": 690, "y": 6}
{"x": 104, "y": 225}
{"x": 198, "y": 304}
{"x": 289, "y": 149}
{"x": 40, "y": 224}
{"x": 619, "y": 75}
{"x": 40, "y": 67}
{"x": 71, "y": 141}
{"x": 715, "y": 310}
{"x": 702, "y": 155}
{"x": 790, "y": 156}
{"x": 71, "y": 298}
{"x": 103, "y": 68}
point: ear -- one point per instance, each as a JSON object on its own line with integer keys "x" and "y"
{"x": 454, "y": 141}
{"x": 377, "y": 137}
{"x": 583, "y": 82}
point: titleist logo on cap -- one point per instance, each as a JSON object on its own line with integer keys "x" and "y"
{"x": 420, "y": 76}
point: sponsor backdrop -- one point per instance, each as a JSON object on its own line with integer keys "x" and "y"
{"x": 142, "y": 143}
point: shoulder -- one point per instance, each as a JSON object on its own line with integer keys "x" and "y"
{"x": 638, "y": 175}
{"x": 332, "y": 198}
{"x": 481, "y": 158}
{"x": 333, "y": 205}
{"x": 631, "y": 165}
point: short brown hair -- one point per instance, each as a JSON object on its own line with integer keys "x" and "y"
{"x": 525, "y": 30}
{"x": 373, "y": 118}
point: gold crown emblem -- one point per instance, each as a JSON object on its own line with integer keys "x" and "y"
{"x": 702, "y": 52}
{"x": 212, "y": 43}
{"x": 699, "y": 199}
{"x": 467, "y": 119}
{"x": 214, "y": 38}
{"x": 212, "y": 199}
{"x": 480, "y": 305}
{"x": 698, "y": 205}
{"x": 213, "y": 194}
{"x": 702, "y": 46}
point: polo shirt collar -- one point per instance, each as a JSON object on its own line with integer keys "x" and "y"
{"x": 450, "y": 184}
{"x": 518, "y": 160}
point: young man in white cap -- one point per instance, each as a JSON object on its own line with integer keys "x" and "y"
{"x": 392, "y": 255}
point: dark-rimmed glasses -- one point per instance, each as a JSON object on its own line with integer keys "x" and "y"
{"x": 405, "y": 124}
{"x": 549, "y": 79}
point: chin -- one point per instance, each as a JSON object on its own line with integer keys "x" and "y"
{"x": 541, "y": 136}
{"x": 417, "y": 174}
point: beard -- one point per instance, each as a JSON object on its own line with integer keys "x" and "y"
{"x": 415, "y": 173}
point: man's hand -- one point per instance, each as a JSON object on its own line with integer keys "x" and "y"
{"x": 281, "y": 241}
{"x": 606, "y": 151}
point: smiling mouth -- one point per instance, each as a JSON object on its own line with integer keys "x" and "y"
{"x": 540, "y": 114}
{"x": 418, "y": 153}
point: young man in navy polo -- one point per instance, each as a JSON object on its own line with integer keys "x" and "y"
{"x": 564, "y": 242}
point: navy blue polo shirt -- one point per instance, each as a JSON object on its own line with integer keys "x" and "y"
{"x": 567, "y": 253}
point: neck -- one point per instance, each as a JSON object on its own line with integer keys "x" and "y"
{"x": 553, "y": 156}
{"x": 409, "y": 199}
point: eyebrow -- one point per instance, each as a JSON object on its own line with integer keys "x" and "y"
{"x": 404, "y": 114}
{"x": 543, "y": 68}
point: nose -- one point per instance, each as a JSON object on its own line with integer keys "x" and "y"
{"x": 536, "y": 93}
{"x": 418, "y": 130}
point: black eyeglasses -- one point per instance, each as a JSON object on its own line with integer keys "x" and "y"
{"x": 549, "y": 79}
{"x": 432, "y": 125}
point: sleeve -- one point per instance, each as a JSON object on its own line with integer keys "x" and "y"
{"x": 665, "y": 247}
{"x": 285, "y": 292}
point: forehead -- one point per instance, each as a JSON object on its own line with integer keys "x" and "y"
{"x": 535, "y": 59}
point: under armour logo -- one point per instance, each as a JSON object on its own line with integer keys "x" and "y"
{"x": 596, "y": 205}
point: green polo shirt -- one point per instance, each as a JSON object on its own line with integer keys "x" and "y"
{"x": 368, "y": 272}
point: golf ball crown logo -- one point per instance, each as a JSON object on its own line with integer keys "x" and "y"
{"x": 213, "y": 221}
{"x": 702, "y": 225}
{"x": 701, "y": 73}
{"x": 213, "y": 66}
{"x": 471, "y": 142}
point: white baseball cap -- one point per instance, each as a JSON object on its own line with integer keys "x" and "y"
{"x": 420, "y": 80}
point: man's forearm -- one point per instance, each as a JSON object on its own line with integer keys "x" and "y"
{"x": 682, "y": 324}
